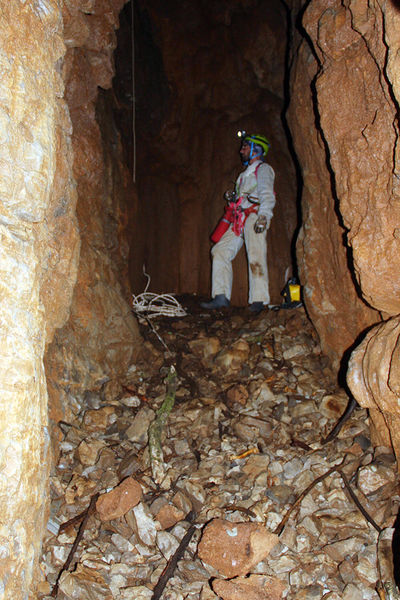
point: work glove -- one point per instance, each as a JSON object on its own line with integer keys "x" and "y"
{"x": 261, "y": 224}
{"x": 230, "y": 196}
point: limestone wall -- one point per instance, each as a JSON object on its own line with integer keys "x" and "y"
{"x": 38, "y": 260}
{"x": 66, "y": 208}
{"x": 374, "y": 371}
{"x": 345, "y": 88}
{"x": 101, "y": 335}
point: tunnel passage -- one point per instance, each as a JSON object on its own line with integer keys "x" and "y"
{"x": 68, "y": 227}
{"x": 202, "y": 73}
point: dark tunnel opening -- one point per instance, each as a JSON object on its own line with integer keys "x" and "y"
{"x": 201, "y": 74}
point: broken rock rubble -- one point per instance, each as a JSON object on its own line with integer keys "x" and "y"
{"x": 255, "y": 398}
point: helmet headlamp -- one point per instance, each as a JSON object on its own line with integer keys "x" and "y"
{"x": 259, "y": 145}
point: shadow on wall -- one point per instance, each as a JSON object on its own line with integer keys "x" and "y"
{"x": 297, "y": 167}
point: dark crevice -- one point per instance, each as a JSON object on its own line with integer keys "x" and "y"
{"x": 179, "y": 137}
{"x": 286, "y": 87}
{"x": 140, "y": 86}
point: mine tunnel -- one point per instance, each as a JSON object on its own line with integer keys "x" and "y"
{"x": 200, "y": 88}
{"x": 119, "y": 126}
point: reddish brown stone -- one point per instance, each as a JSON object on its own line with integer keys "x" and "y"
{"x": 255, "y": 587}
{"x": 120, "y": 500}
{"x": 181, "y": 501}
{"x": 237, "y": 393}
{"x": 169, "y": 515}
{"x": 235, "y": 548}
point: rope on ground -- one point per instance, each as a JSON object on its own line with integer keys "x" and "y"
{"x": 150, "y": 305}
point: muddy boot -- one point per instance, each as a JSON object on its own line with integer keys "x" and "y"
{"x": 256, "y": 307}
{"x": 220, "y": 301}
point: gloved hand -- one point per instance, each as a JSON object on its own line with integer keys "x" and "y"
{"x": 261, "y": 224}
{"x": 230, "y": 196}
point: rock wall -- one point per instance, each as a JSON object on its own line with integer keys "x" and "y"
{"x": 67, "y": 206}
{"x": 38, "y": 263}
{"x": 331, "y": 294}
{"x": 213, "y": 71}
{"x": 374, "y": 379}
{"x": 345, "y": 91}
{"x": 374, "y": 371}
{"x": 101, "y": 336}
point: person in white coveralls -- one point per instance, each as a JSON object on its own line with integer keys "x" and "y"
{"x": 247, "y": 219}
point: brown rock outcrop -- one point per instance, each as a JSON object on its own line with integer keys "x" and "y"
{"x": 101, "y": 336}
{"x": 374, "y": 379}
{"x": 350, "y": 43}
{"x": 331, "y": 297}
{"x": 38, "y": 262}
{"x": 41, "y": 246}
{"x": 345, "y": 92}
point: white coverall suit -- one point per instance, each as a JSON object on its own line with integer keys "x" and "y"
{"x": 257, "y": 181}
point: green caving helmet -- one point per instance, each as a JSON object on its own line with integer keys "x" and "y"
{"x": 260, "y": 140}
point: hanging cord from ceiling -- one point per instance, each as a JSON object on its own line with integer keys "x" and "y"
{"x": 133, "y": 94}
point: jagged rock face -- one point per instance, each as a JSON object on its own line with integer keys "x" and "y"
{"x": 374, "y": 379}
{"x": 350, "y": 168}
{"x": 365, "y": 131}
{"x": 38, "y": 263}
{"x": 101, "y": 336}
{"x": 54, "y": 161}
{"x": 331, "y": 296}
{"x": 221, "y": 69}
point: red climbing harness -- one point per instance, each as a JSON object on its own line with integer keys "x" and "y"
{"x": 235, "y": 214}
{"x": 239, "y": 216}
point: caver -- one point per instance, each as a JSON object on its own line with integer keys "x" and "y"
{"x": 246, "y": 220}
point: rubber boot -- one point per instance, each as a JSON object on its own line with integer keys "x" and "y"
{"x": 220, "y": 301}
{"x": 256, "y": 307}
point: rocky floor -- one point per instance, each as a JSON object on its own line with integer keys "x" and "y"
{"x": 248, "y": 483}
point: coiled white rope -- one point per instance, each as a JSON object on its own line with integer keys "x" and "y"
{"x": 150, "y": 305}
